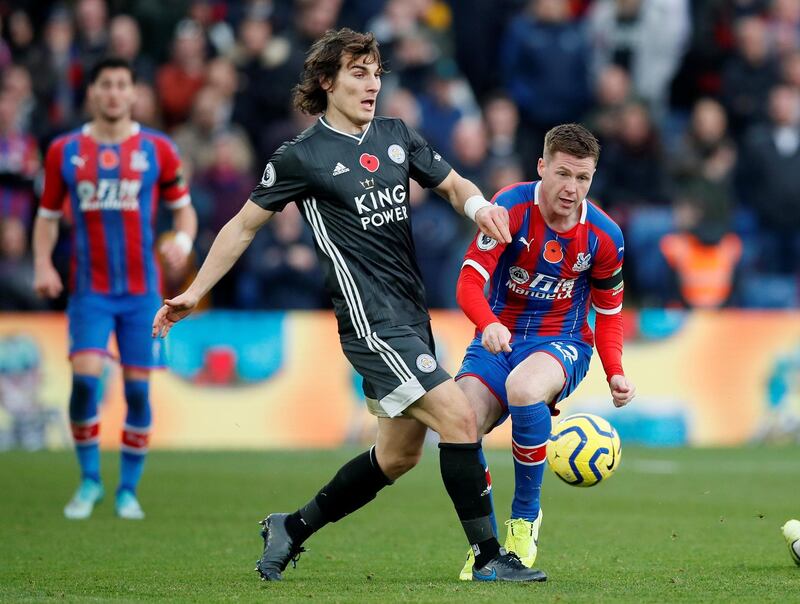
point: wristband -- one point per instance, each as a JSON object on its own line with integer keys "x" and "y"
{"x": 475, "y": 203}
{"x": 183, "y": 241}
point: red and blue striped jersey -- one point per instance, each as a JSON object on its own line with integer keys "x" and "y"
{"x": 541, "y": 284}
{"x": 112, "y": 192}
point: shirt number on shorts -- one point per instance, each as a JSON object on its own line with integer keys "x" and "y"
{"x": 568, "y": 351}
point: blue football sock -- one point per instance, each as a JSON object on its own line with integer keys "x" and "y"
{"x": 485, "y": 465}
{"x": 85, "y": 424}
{"x": 135, "y": 434}
{"x": 530, "y": 429}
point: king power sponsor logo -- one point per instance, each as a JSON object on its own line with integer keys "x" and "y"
{"x": 380, "y": 207}
{"x": 109, "y": 194}
{"x": 542, "y": 287}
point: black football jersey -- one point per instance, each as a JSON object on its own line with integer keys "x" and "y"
{"x": 353, "y": 192}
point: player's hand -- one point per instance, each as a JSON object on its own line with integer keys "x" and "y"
{"x": 496, "y": 338}
{"x": 173, "y": 254}
{"x": 622, "y": 390}
{"x": 173, "y": 311}
{"x": 493, "y": 221}
{"x": 47, "y": 282}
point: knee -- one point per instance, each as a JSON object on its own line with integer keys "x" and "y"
{"x": 461, "y": 426}
{"x": 396, "y": 463}
{"x": 526, "y": 394}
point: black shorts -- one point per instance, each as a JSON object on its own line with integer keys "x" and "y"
{"x": 398, "y": 365}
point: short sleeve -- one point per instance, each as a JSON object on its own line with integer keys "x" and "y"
{"x": 55, "y": 189}
{"x": 283, "y": 180}
{"x": 426, "y": 166}
{"x": 171, "y": 182}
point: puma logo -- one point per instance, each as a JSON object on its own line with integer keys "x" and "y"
{"x": 526, "y": 243}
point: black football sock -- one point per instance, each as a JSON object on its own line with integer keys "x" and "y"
{"x": 356, "y": 484}
{"x": 465, "y": 481}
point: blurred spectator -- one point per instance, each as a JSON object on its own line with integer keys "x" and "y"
{"x": 20, "y": 36}
{"x": 182, "y": 78}
{"x": 221, "y": 77}
{"x": 410, "y": 48}
{"x": 748, "y": 76}
{"x": 545, "y": 63}
{"x": 19, "y": 163}
{"x": 769, "y": 180}
{"x": 312, "y": 18}
{"x": 210, "y": 15}
{"x": 706, "y": 152}
{"x": 125, "y": 41}
{"x": 279, "y": 132}
{"x": 442, "y": 107}
{"x": 631, "y": 171}
{"x": 503, "y": 172}
{"x": 790, "y": 68}
{"x": 403, "y": 104}
{"x": 469, "y": 150}
{"x": 267, "y": 72}
{"x": 502, "y": 124}
{"x": 281, "y": 269}
{"x": 146, "y": 109}
{"x": 478, "y": 26}
{"x": 783, "y": 22}
{"x": 703, "y": 263}
{"x": 16, "y": 268}
{"x": 647, "y": 38}
{"x": 436, "y": 235}
{"x": 612, "y": 93}
{"x": 227, "y": 178}
{"x": 91, "y": 17}
{"x": 59, "y": 77}
{"x": 196, "y": 138}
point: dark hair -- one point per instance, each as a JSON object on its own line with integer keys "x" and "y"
{"x": 323, "y": 61}
{"x": 110, "y": 63}
{"x": 572, "y": 139}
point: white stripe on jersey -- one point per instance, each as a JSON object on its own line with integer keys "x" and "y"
{"x": 343, "y": 276}
{"x": 352, "y": 296}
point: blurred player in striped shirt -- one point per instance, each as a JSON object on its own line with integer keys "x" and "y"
{"x": 109, "y": 177}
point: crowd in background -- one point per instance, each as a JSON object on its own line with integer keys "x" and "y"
{"x": 696, "y": 105}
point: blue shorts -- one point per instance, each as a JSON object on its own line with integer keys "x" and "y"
{"x": 92, "y": 318}
{"x": 493, "y": 369}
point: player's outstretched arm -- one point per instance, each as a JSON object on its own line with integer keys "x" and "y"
{"x": 466, "y": 198}
{"x": 230, "y": 243}
{"x": 46, "y": 280}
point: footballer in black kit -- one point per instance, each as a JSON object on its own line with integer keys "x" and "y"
{"x": 349, "y": 174}
{"x": 353, "y": 192}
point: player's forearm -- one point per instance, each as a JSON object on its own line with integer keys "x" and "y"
{"x": 608, "y": 341}
{"x": 458, "y": 191}
{"x": 45, "y": 236}
{"x": 229, "y": 245}
{"x": 469, "y": 295}
{"x": 184, "y": 220}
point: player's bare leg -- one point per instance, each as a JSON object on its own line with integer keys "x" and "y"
{"x": 85, "y": 423}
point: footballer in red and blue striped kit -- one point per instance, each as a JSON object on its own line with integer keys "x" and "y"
{"x": 108, "y": 178}
{"x": 533, "y": 342}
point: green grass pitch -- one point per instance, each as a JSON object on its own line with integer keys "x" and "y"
{"x": 671, "y": 526}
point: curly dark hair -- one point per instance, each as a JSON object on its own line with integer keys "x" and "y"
{"x": 572, "y": 139}
{"x": 323, "y": 61}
